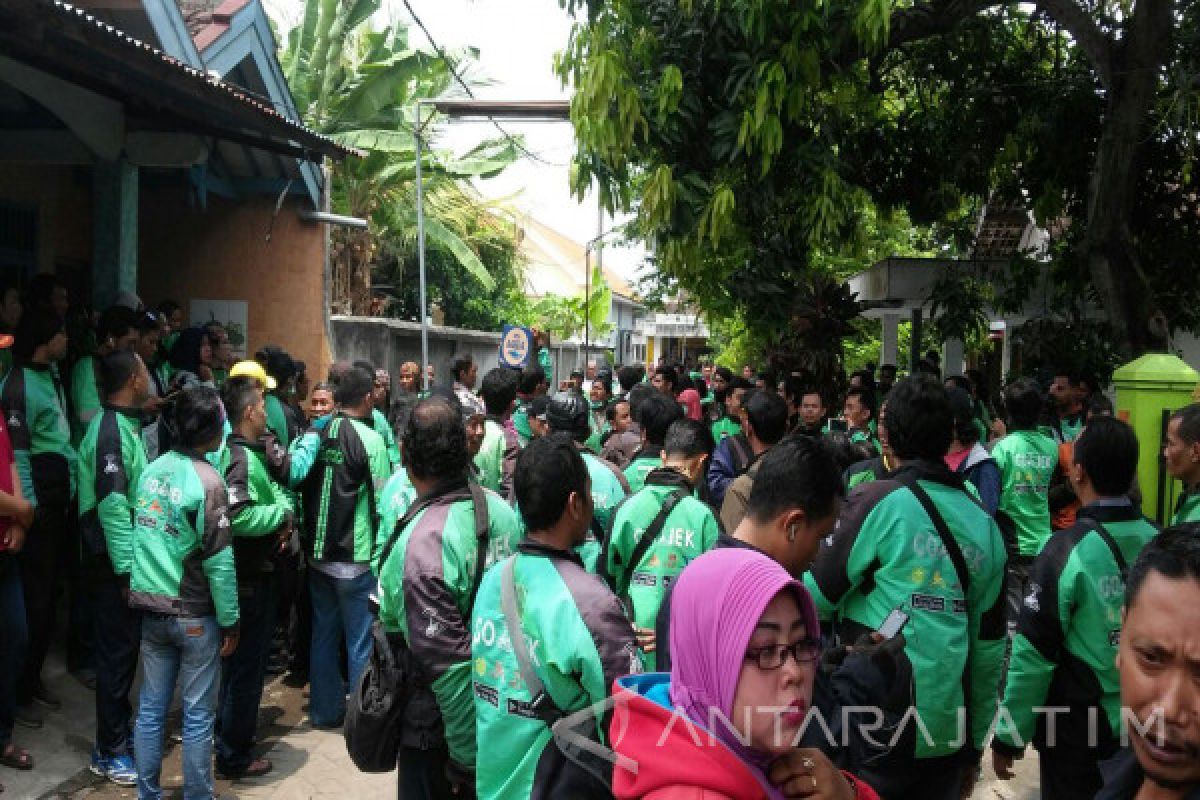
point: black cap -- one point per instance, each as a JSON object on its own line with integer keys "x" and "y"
{"x": 538, "y": 405}
{"x": 568, "y": 412}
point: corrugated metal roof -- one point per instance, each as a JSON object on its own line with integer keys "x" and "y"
{"x": 202, "y": 82}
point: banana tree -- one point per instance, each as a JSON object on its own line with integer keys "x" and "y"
{"x": 360, "y": 87}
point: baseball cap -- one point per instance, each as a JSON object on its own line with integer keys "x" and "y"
{"x": 252, "y": 369}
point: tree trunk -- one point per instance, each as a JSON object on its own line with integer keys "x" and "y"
{"x": 1109, "y": 250}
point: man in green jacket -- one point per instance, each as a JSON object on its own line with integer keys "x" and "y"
{"x": 889, "y": 553}
{"x": 111, "y": 461}
{"x": 687, "y": 531}
{"x": 261, "y": 515}
{"x": 1064, "y": 653}
{"x": 35, "y": 404}
{"x": 568, "y": 413}
{"x": 1182, "y": 454}
{"x": 655, "y": 414}
{"x": 577, "y": 635}
{"x": 339, "y": 493}
{"x": 497, "y": 457}
{"x": 427, "y": 586}
{"x": 380, "y": 391}
{"x": 530, "y": 384}
{"x": 183, "y": 580}
{"x": 1027, "y": 459}
{"x": 116, "y": 330}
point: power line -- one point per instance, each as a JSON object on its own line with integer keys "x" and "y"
{"x": 466, "y": 88}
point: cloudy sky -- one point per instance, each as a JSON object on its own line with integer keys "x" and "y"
{"x": 516, "y": 40}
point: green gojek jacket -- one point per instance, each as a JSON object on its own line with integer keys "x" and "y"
{"x": 644, "y": 461}
{"x": 579, "y": 642}
{"x": 1187, "y": 508}
{"x": 520, "y": 419}
{"x": 396, "y": 497}
{"x": 885, "y": 554}
{"x": 425, "y": 594}
{"x": 689, "y": 531}
{"x": 258, "y": 506}
{"x": 609, "y": 488}
{"x": 340, "y": 491}
{"x": 1026, "y": 460}
{"x": 1070, "y": 625}
{"x": 725, "y": 427}
{"x": 182, "y": 541}
{"x": 872, "y": 469}
{"x": 111, "y": 460}
{"x": 497, "y": 457}
{"x": 85, "y": 396}
{"x": 380, "y": 425}
{"x": 33, "y": 399}
{"x": 277, "y": 420}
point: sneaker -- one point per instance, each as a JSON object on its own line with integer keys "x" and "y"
{"x": 28, "y": 715}
{"x": 43, "y": 697}
{"x": 118, "y": 769}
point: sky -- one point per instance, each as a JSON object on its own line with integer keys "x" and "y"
{"x": 516, "y": 40}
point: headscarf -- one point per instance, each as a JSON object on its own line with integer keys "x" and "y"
{"x": 716, "y": 605}
{"x": 690, "y": 400}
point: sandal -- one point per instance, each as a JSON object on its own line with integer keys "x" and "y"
{"x": 14, "y": 757}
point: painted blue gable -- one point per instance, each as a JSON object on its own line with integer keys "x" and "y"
{"x": 250, "y": 44}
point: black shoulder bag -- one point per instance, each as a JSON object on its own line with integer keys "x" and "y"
{"x": 376, "y": 707}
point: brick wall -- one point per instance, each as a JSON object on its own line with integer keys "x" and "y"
{"x": 221, "y": 253}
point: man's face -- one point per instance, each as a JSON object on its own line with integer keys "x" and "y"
{"x": 811, "y": 409}
{"x": 320, "y": 404}
{"x": 719, "y": 384}
{"x": 748, "y": 373}
{"x": 408, "y": 378}
{"x": 147, "y": 345}
{"x": 380, "y": 390}
{"x": 470, "y": 376}
{"x": 706, "y": 372}
{"x": 733, "y": 403}
{"x": 56, "y": 348}
{"x": 538, "y": 427}
{"x": 591, "y": 370}
{"x": 1159, "y": 660}
{"x": 126, "y": 341}
{"x": 659, "y": 383}
{"x": 887, "y": 376}
{"x": 598, "y": 393}
{"x": 176, "y": 319}
{"x": 1060, "y": 391}
{"x": 475, "y": 434}
{"x": 431, "y": 372}
{"x": 855, "y": 413}
{"x": 1183, "y": 459}
{"x": 621, "y": 418}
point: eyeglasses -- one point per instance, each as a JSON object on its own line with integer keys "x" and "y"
{"x": 773, "y": 656}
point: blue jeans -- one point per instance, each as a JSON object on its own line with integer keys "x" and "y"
{"x": 186, "y": 648}
{"x": 243, "y": 673}
{"x": 12, "y": 643}
{"x": 338, "y": 607}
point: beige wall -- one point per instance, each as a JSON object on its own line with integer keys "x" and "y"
{"x": 63, "y": 197}
{"x": 222, "y": 253}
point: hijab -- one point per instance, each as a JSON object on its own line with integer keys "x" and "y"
{"x": 716, "y": 605}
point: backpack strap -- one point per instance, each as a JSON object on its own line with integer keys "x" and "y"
{"x": 648, "y": 536}
{"x": 741, "y": 453}
{"x": 541, "y": 705}
{"x": 1118, "y": 556}
{"x": 955, "y": 552}
{"x": 479, "y": 501}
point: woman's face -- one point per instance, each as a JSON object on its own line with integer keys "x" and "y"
{"x": 206, "y": 351}
{"x": 762, "y": 692}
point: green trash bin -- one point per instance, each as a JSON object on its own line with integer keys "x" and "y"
{"x": 1149, "y": 390}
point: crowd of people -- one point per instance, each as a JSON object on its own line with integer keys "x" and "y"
{"x": 681, "y": 583}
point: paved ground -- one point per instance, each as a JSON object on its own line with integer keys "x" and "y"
{"x": 309, "y": 764}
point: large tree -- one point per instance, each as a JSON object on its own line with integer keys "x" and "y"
{"x": 751, "y": 135}
{"x": 360, "y": 86}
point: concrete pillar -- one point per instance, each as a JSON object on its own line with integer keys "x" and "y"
{"x": 952, "y": 357}
{"x": 890, "y": 352}
{"x": 115, "y": 230}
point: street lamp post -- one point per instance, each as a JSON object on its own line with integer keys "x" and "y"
{"x": 530, "y": 110}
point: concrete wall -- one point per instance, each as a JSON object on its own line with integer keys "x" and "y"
{"x": 222, "y": 253}
{"x": 388, "y": 343}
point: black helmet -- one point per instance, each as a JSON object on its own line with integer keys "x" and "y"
{"x": 568, "y": 413}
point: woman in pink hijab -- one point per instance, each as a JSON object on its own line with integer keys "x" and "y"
{"x": 744, "y": 639}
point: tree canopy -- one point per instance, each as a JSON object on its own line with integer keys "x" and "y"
{"x": 756, "y": 140}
